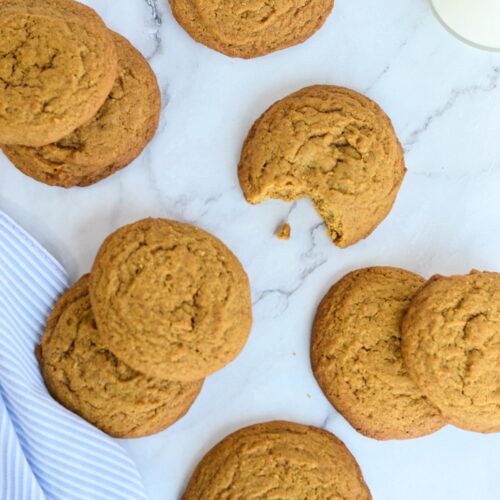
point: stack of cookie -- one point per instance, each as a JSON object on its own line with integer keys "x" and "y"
{"x": 128, "y": 347}
{"x": 77, "y": 101}
{"x": 400, "y": 357}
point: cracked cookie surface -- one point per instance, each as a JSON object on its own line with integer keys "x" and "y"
{"x": 91, "y": 381}
{"x": 251, "y": 28}
{"x": 57, "y": 66}
{"x": 170, "y": 299}
{"x": 111, "y": 140}
{"x": 277, "y": 460}
{"x": 357, "y": 360}
{"x": 332, "y": 145}
{"x": 451, "y": 346}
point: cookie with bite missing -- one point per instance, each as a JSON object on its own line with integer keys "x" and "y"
{"x": 88, "y": 379}
{"x": 111, "y": 140}
{"x": 330, "y": 144}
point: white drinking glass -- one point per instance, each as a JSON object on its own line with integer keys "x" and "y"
{"x": 474, "y": 21}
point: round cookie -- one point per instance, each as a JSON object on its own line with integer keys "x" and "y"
{"x": 57, "y": 66}
{"x": 356, "y": 355}
{"x": 250, "y": 29}
{"x": 170, "y": 299}
{"x": 111, "y": 140}
{"x": 330, "y": 144}
{"x": 89, "y": 380}
{"x": 451, "y": 346}
{"x": 278, "y": 460}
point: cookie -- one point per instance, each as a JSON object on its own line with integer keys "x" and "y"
{"x": 251, "y": 29}
{"x": 451, "y": 346}
{"x": 91, "y": 381}
{"x": 57, "y": 66}
{"x": 170, "y": 299}
{"x": 278, "y": 460}
{"x": 356, "y": 355}
{"x": 330, "y": 144}
{"x": 109, "y": 141}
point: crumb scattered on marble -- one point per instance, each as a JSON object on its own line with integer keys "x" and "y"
{"x": 284, "y": 232}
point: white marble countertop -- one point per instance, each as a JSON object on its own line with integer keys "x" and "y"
{"x": 444, "y": 99}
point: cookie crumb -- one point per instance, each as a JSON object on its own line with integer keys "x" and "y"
{"x": 284, "y": 232}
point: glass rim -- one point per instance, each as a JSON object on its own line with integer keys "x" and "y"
{"x": 458, "y": 35}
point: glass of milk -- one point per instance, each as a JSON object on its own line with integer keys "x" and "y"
{"x": 474, "y": 21}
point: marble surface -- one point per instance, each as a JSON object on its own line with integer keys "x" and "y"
{"x": 444, "y": 99}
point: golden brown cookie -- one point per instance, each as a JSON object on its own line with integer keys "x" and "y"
{"x": 91, "y": 381}
{"x": 252, "y": 28}
{"x": 330, "y": 144}
{"x": 170, "y": 299}
{"x": 57, "y": 66}
{"x": 451, "y": 346}
{"x": 356, "y": 355}
{"x": 111, "y": 140}
{"x": 278, "y": 460}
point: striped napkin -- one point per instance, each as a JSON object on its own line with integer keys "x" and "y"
{"x": 46, "y": 452}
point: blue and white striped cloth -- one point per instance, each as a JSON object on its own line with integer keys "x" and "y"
{"x": 46, "y": 452}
